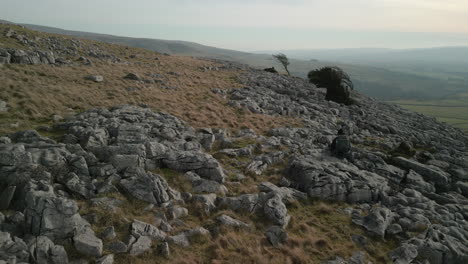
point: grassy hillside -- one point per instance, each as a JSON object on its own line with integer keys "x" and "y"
{"x": 36, "y": 94}
{"x": 385, "y": 84}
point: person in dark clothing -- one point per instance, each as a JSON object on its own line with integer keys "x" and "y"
{"x": 341, "y": 146}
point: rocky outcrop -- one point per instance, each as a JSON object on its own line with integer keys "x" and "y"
{"x": 326, "y": 179}
{"x": 26, "y": 57}
{"x": 13, "y": 248}
{"x": 108, "y": 157}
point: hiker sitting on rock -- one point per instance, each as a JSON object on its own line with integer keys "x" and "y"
{"x": 341, "y": 147}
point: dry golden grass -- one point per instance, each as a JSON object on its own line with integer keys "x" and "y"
{"x": 36, "y": 92}
{"x": 317, "y": 232}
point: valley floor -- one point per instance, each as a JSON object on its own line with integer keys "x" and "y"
{"x": 453, "y": 112}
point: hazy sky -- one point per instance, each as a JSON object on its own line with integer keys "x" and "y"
{"x": 259, "y": 24}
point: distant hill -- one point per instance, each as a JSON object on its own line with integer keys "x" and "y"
{"x": 381, "y": 56}
{"x": 380, "y": 81}
{"x": 159, "y": 45}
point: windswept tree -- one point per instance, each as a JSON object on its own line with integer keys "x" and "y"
{"x": 283, "y": 59}
{"x": 337, "y": 82}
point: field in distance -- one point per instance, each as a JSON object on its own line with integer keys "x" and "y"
{"x": 453, "y": 111}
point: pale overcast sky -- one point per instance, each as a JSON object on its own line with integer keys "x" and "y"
{"x": 259, "y": 24}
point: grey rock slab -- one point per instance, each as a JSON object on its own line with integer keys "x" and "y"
{"x": 139, "y": 228}
{"x": 247, "y": 202}
{"x": 183, "y": 239}
{"x": 180, "y": 240}
{"x": 430, "y": 174}
{"x": 201, "y": 163}
{"x": 88, "y": 244}
{"x": 147, "y": 187}
{"x": 54, "y": 217}
{"x": 229, "y": 221}
{"x": 141, "y": 245}
{"x": 207, "y": 201}
{"x": 208, "y": 186}
{"x": 377, "y": 221}
{"x": 404, "y": 254}
{"x": 108, "y": 259}
{"x": 44, "y": 251}
{"x": 286, "y": 194}
{"x": 276, "y": 211}
{"x": 116, "y": 247}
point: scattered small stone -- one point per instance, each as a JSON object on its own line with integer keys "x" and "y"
{"x": 108, "y": 233}
{"x": 3, "y": 106}
{"x": 165, "y": 250}
{"x": 132, "y": 76}
{"x": 108, "y": 259}
{"x": 95, "y": 78}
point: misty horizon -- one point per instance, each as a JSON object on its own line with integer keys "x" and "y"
{"x": 260, "y": 25}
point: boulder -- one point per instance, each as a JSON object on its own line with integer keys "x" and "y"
{"x": 247, "y": 203}
{"x": 139, "y": 228}
{"x": 141, "y": 245}
{"x": 206, "y": 201}
{"x": 276, "y": 211}
{"x": 148, "y": 187}
{"x": 201, "y": 185}
{"x": 433, "y": 175}
{"x": 43, "y": 251}
{"x": 108, "y": 259}
{"x": 377, "y": 221}
{"x": 95, "y": 78}
{"x": 5, "y": 57}
{"x": 116, "y": 247}
{"x": 13, "y": 248}
{"x": 51, "y": 216}
{"x": 404, "y": 254}
{"x": 183, "y": 239}
{"x": 88, "y": 244}
{"x": 201, "y": 163}
{"x": 229, "y": 221}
